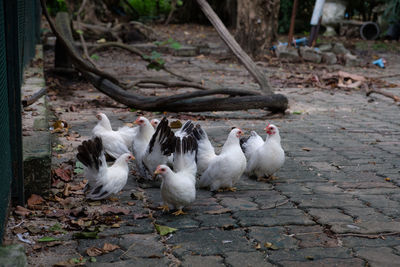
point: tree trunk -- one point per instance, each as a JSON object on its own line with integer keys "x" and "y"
{"x": 257, "y": 25}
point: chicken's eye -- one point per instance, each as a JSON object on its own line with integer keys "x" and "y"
{"x": 141, "y": 121}
{"x": 163, "y": 170}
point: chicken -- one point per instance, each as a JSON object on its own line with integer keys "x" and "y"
{"x": 185, "y": 130}
{"x": 142, "y": 137}
{"x": 102, "y": 180}
{"x": 113, "y": 142}
{"x": 143, "y": 131}
{"x": 156, "y": 152}
{"x": 178, "y": 186}
{"x": 155, "y": 122}
{"x": 220, "y": 171}
{"x": 263, "y": 158}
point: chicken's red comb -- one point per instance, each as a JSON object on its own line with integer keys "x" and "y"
{"x": 268, "y": 125}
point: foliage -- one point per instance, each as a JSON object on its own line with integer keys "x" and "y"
{"x": 54, "y": 6}
{"x": 303, "y": 15}
{"x": 152, "y": 8}
{"x": 392, "y": 11}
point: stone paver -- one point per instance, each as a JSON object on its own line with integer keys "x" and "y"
{"x": 335, "y": 202}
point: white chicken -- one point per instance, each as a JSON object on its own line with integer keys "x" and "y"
{"x": 220, "y": 171}
{"x": 142, "y": 137}
{"x": 178, "y": 187}
{"x": 263, "y": 158}
{"x": 113, "y": 142}
{"x": 102, "y": 180}
{"x": 130, "y": 134}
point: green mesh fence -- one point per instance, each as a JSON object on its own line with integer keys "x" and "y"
{"x": 19, "y": 33}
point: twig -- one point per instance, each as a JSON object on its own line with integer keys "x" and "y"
{"x": 370, "y": 236}
{"x": 386, "y": 76}
{"x": 33, "y": 98}
{"x": 81, "y": 37}
{"x": 171, "y": 12}
{"x": 387, "y": 94}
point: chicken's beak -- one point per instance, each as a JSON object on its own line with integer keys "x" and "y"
{"x": 136, "y": 121}
{"x": 131, "y": 157}
{"x": 156, "y": 172}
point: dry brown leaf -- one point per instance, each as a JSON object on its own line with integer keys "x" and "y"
{"x": 137, "y": 216}
{"x": 66, "y": 190}
{"x": 107, "y": 247}
{"x": 94, "y": 252}
{"x": 115, "y": 210}
{"x": 354, "y": 77}
{"x": 220, "y": 211}
{"x": 306, "y": 149}
{"x": 34, "y": 201}
{"x": 65, "y": 173}
{"x": 19, "y": 210}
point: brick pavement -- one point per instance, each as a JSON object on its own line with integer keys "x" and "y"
{"x": 335, "y": 202}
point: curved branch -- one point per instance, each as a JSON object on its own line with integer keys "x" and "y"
{"x": 73, "y": 52}
{"x": 181, "y": 102}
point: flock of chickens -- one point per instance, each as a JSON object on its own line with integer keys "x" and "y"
{"x": 177, "y": 158}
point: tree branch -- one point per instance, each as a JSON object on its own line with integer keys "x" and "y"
{"x": 235, "y": 47}
{"x": 80, "y": 63}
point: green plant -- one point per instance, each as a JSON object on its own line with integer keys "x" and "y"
{"x": 392, "y": 11}
{"x": 54, "y": 6}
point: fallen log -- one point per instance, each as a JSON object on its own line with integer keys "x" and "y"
{"x": 194, "y": 101}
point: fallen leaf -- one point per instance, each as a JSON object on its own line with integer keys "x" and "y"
{"x": 114, "y": 210}
{"x": 66, "y": 190}
{"x": 176, "y": 124}
{"x": 306, "y": 149}
{"x": 220, "y": 211}
{"x": 137, "y": 195}
{"x": 107, "y": 247}
{"x": 258, "y": 246}
{"x": 19, "y": 230}
{"x": 387, "y": 179}
{"x": 271, "y": 246}
{"x": 21, "y": 211}
{"x": 354, "y": 77}
{"x": 64, "y": 174}
{"x": 137, "y": 216}
{"x": 164, "y": 230}
{"x": 78, "y": 167}
{"x": 86, "y": 235}
{"x": 94, "y": 252}
{"x": 47, "y": 239}
{"x": 115, "y": 225}
{"x": 34, "y": 200}
{"x": 53, "y": 243}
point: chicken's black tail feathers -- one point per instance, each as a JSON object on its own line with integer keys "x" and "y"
{"x": 89, "y": 153}
{"x": 199, "y": 133}
{"x": 164, "y": 136}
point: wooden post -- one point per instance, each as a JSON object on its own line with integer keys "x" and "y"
{"x": 292, "y": 22}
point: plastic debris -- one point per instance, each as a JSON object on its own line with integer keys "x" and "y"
{"x": 23, "y": 238}
{"x": 380, "y": 62}
{"x": 296, "y": 42}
